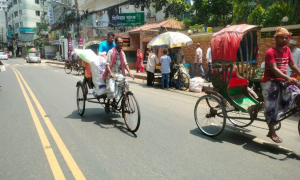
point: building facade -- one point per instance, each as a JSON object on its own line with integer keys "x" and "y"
{"x": 3, "y": 24}
{"x": 22, "y": 17}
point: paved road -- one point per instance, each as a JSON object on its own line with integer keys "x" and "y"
{"x": 43, "y": 137}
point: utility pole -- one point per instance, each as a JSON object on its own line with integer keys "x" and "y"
{"x": 2, "y": 37}
{"x": 78, "y": 22}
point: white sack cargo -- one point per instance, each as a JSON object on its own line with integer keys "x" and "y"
{"x": 196, "y": 84}
{"x": 98, "y": 67}
{"x": 87, "y": 55}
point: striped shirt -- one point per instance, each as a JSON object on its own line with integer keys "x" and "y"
{"x": 281, "y": 59}
{"x": 165, "y": 64}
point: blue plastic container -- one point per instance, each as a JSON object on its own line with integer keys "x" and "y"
{"x": 187, "y": 65}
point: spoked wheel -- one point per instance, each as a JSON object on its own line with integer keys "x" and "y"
{"x": 210, "y": 115}
{"x": 80, "y": 100}
{"x": 131, "y": 112}
{"x": 183, "y": 80}
{"x": 68, "y": 68}
{"x": 239, "y": 122}
{"x": 299, "y": 126}
{"x": 277, "y": 126}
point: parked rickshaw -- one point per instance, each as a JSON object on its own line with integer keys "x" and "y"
{"x": 234, "y": 55}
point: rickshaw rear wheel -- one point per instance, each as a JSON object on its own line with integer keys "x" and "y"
{"x": 81, "y": 99}
{"x": 299, "y": 126}
{"x": 239, "y": 122}
{"x": 277, "y": 126}
{"x": 210, "y": 115}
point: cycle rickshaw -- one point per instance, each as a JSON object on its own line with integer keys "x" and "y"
{"x": 234, "y": 54}
{"x": 125, "y": 103}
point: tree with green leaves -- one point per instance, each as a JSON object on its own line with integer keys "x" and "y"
{"x": 256, "y": 16}
{"x": 41, "y": 40}
{"x": 274, "y": 14}
{"x": 174, "y": 7}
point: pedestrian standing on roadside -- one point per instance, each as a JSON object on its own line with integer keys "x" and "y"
{"x": 295, "y": 54}
{"x": 179, "y": 56}
{"x": 209, "y": 60}
{"x": 198, "y": 62}
{"x": 20, "y": 54}
{"x": 165, "y": 69}
{"x": 152, "y": 60}
{"x": 139, "y": 61}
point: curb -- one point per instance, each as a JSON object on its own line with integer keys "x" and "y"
{"x": 58, "y": 63}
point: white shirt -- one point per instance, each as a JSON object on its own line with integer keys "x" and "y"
{"x": 198, "y": 53}
{"x": 296, "y": 58}
{"x": 208, "y": 55}
{"x": 152, "y": 60}
{"x": 179, "y": 55}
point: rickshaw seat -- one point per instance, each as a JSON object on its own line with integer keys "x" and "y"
{"x": 237, "y": 81}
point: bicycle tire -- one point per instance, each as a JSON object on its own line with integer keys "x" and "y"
{"x": 127, "y": 107}
{"x": 299, "y": 127}
{"x": 185, "y": 79}
{"x": 80, "y": 100}
{"x": 68, "y": 68}
{"x": 211, "y": 113}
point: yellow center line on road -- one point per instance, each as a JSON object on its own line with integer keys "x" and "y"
{"x": 60, "y": 144}
{"x": 56, "y": 170}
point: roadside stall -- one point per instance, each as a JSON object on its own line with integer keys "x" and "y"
{"x": 179, "y": 74}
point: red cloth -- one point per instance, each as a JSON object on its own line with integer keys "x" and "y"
{"x": 280, "y": 58}
{"x": 112, "y": 62}
{"x": 139, "y": 62}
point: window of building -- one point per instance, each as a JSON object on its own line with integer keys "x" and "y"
{"x": 4, "y": 8}
{"x": 16, "y": 13}
{"x": 37, "y": 13}
{"x": 20, "y": 1}
{"x": 17, "y": 25}
{"x": 37, "y": 2}
{"x": 37, "y": 24}
{"x": 21, "y": 24}
{"x": 20, "y": 12}
{"x": 45, "y": 13}
{"x": 15, "y": 2}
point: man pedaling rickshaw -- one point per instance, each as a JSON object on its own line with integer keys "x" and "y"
{"x": 116, "y": 61}
{"x": 279, "y": 90}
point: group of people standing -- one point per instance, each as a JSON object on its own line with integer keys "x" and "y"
{"x": 170, "y": 56}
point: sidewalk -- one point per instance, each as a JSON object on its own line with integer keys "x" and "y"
{"x": 140, "y": 75}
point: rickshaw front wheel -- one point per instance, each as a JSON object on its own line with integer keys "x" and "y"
{"x": 210, "y": 115}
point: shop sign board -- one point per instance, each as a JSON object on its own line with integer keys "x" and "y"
{"x": 51, "y": 36}
{"x": 126, "y": 42}
{"x": 80, "y": 41}
{"x": 70, "y": 45}
{"x": 50, "y": 14}
{"x": 103, "y": 19}
{"x": 55, "y": 42}
{"x": 26, "y": 30}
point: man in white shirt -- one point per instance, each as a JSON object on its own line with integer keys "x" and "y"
{"x": 179, "y": 56}
{"x": 198, "y": 62}
{"x": 152, "y": 60}
{"x": 295, "y": 54}
{"x": 209, "y": 59}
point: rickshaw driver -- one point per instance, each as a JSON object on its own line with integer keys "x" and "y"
{"x": 277, "y": 97}
{"x": 116, "y": 61}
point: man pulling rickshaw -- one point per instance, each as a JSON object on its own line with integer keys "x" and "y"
{"x": 278, "y": 97}
{"x": 234, "y": 59}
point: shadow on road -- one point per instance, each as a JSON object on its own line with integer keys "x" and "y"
{"x": 249, "y": 143}
{"x": 100, "y": 118}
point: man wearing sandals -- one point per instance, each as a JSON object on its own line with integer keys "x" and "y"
{"x": 278, "y": 96}
{"x": 116, "y": 61}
